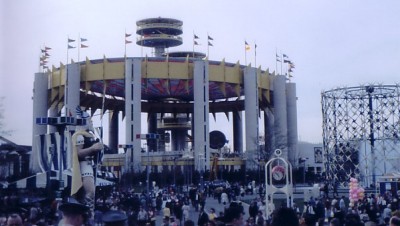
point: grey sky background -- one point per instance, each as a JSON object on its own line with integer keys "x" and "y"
{"x": 332, "y": 43}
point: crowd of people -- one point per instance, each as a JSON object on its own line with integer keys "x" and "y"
{"x": 176, "y": 208}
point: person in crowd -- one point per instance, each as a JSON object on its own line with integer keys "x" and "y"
{"x": 387, "y": 212}
{"x": 234, "y": 215}
{"x": 260, "y": 219}
{"x": 212, "y": 215}
{"x": 73, "y": 213}
{"x": 114, "y": 218}
{"x": 335, "y": 222}
{"x": 203, "y": 217}
{"x": 224, "y": 197}
{"x": 394, "y": 221}
{"x": 352, "y": 220}
{"x": 3, "y": 219}
{"x": 142, "y": 216}
{"x": 188, "y": 223}
{"x": 165, "y": 221}
{"x": 253, "y": 209}
{"x": 185, "y": 211}
{"x": 14, "y": 220}
{"x": 284, "y": 216}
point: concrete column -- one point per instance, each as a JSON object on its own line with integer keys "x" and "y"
{"x": 40, "y": 100}
{"x": 71, "y": 100}
{"x": 113, "y": 131}
{"x": 268, "y": 130}
{"x": 72, "y": 87}
{"x": 237, "y": 132}
{"x": 53, "y": 112}
{"x": 291, "y": 105}
{"x": 133, "y": 96}
{"x": 152, "y": 128}
{"x": 251, "y": 110}
{"x": 280, "y": 114}
{"x": 200, "y": 115}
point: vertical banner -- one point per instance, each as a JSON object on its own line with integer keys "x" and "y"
{"x": 318, "y": 155}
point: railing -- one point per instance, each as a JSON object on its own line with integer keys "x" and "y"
{"x": 159, "y": 25}
{"x": 157, "y": 36}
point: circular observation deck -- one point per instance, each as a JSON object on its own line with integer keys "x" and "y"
{"x": 167, "y": 85}
{"x": 184, "y": 54}
{"x": 159, "y": 32}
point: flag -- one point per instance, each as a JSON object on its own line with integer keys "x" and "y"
{"x": 47, "y": 48}
{"x": 83, "y": 39}
{"x": 246, "y": 46}
{"x": 195, "y": 36}
{"x": 277, "y": 59}
{"x": 42, "y": 64}
{"x": 71, "y": 40}
{"x": 43, "y": 57}
{"x": 128, "y": 42}
{"x": 284, "y": 55}
{"x": 210, "y": 44}
{"x": 46, "y": 54}
{"x": 195, "y": 43}
{"x": 287, "y": 61}
{"x": 43, "y": 51}
{"x": 209, "y": 38}
{"x": 127, "y": 35}
{"x": 291, "y": 65}
{"x": 71, "y": 47}
{"x": 84, "y": 46}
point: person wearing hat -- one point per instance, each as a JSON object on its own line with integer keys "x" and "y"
{"x": 85, "y": 148}
{"x": 114, "y": 218}
{"x": 233, "y": 216}
{"x": 74, "y": 213}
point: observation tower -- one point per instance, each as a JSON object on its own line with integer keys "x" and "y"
{"x": 361, "y": 132}
{"x": 177, "y": 94}
{"x": 159, "y": 33}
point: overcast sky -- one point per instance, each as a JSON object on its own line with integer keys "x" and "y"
{"x": 332, "y": 43}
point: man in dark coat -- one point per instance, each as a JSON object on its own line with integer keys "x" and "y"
{"x": 203, "y": 217}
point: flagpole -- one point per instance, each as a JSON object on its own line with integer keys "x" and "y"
{"x": 193, "y": 44}
{"x": 79, "y": 44}
{"x": 276, "y": 59}
{"x": 141, "y": 46}
{"x": 67, "y": 49}
{"x": 245, "y": 53}
{"x": 40, "y": 60}
{"x": 255, "y": 54}
{"x": 125, "y": 43}
{"x": 208, "y": 46}
{"x": 281, "y": 63}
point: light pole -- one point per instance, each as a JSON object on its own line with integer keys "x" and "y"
{"x": 201, "y": 165}
{"x": 174, "y": 172}
{"x": 148, "y": 175}
{"x": 187, "y": 173}
{"x": 303, "y": 160}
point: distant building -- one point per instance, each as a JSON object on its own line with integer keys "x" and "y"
{"x": 311, "y": 157}
{"x": 14, "y": 160}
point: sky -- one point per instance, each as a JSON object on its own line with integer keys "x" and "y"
{"x": 332, "y": 43}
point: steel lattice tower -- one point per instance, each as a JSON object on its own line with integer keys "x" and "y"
{"x": 361, "y": 129}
